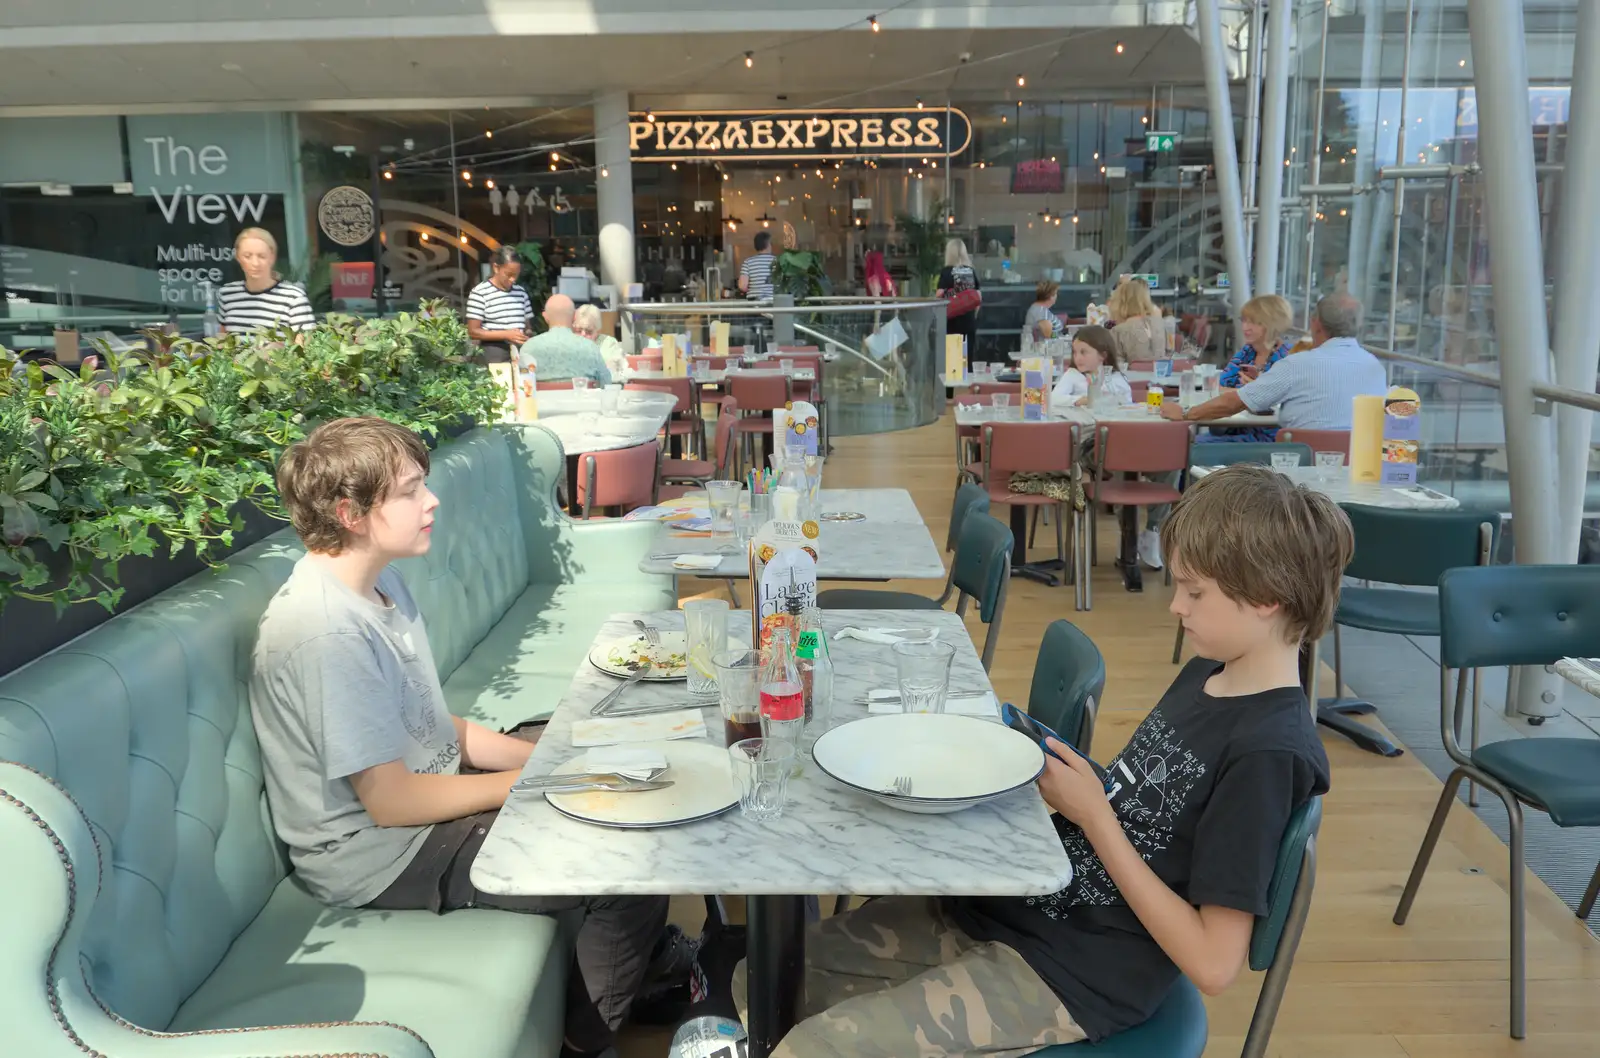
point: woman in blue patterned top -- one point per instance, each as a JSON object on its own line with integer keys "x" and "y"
{"x": 1265, "y": 321}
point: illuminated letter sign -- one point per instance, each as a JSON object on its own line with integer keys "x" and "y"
{"x": 797, "y": 134}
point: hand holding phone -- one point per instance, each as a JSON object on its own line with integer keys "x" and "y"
{"x": 1017, "y": 720}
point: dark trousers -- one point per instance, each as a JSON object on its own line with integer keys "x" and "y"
{"x": 614, "y": 943}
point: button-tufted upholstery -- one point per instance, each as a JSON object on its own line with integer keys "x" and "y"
{"x": 170, "y": 890}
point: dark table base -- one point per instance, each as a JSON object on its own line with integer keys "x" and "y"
{"x": 776, "y": 968}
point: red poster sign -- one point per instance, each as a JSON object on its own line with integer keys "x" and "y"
{"x": 353, "y": 279}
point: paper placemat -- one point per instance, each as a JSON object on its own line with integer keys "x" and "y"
{"x": 657, "y": 727}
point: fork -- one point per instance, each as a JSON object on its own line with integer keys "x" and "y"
{"x": 649, "y": 632}
{"x": 901, "y": 787}
{"x": 605, "y": 703}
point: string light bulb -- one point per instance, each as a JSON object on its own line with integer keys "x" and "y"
{"x": 919, "y": 102}
{"x": 552, "y": 167}
{"x": 489, "y": 184}
{"x": 872, "y": 20}
{"x": 555, "y": 156}
{"x": 650, "y": 115}
{"x": 1022, "y": 82}
{"x": 388, "y": 174}
{"x": 488, "y": 134}
{"x": 749, "y": 59}
{"x": 466, "y": 174}
{"x": 604, "y": 171}
{"x": 424, "y": 236}
{"x": 1119, "y": 47}
{"x": 463, "y": 240}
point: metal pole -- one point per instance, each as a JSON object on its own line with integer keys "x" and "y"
{"x": 1400, "y": 184}
{"x": 1445, "y": 315}
{"x": 614, "y": 192}
{"x": 1252, "y": 122}
{"x": 378, "y": 297}
{"x": 1316, "y": 164}
{"x": 1577, "y": 311}
{"x": 1224, "y": 154}
{"x": 1362, "y": 208}
{"x": 1505, "y": 142}
{"x": 1274, "y": 118}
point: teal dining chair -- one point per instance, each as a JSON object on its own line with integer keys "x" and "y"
{"x": 981, "y": 570}
{"x": 1227, "y": 454}
{"x": 1178, "y": 1027}
{"x": 1069, "y": 678}
{"x": 1412, "y": 549}
{"x": 1493, "y": 616}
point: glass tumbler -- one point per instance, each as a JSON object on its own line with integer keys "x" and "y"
{"x": 761, "y": 769}
{"x": 705, "y": 625}
{"x": 923, "y": 673}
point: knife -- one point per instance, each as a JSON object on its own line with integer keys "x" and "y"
{"x": 626, "y": 786}
{"x": 539, "y": 782}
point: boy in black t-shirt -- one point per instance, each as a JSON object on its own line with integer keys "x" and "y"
{"x": 1170, "y": 866}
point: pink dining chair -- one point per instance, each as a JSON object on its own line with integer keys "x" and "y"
{"x": 1141, "y": 365}
{"x": 685, "y": 420}
{"x": 796, "y": 349}
{"x": 1015, "y": 447}
{"x": 1319, "y": 440}
{"x": 696, "y": 472}
{"x": 1155, "y": 447}
{"x": 760, "y": 394}
{"x": 624, "y": 478}
{"x": 1140, "y": 391}
{"x": 556, "y": 383}
{"x": 969, "y": 439}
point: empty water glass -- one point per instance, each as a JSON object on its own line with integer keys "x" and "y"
{"x": 786, "y": 366}
{"x": 1285, "y": 460}
{"x": 923, "y": 672}
{"x": 724, "y": 497}
{"x": 609, "y": 398}
{"x": 705, "y": 626}
{"x": 1001, "y": 400}
{"x": 761, "y": 768}
{"x": 580, "y": 383}
{"x": 1329, "y": 464}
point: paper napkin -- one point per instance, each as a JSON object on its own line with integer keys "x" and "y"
{"x": 698, "y": 561}
{"x": 622, "y": 760}
{"x": 888, "y": 636}
{"x": 656, "y": 727}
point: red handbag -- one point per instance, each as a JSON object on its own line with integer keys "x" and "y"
{"x": 963, "y": 302}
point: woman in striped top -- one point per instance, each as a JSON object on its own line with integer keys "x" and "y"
{"x": 261, "y": 300}
{"x": 498, "y": 310}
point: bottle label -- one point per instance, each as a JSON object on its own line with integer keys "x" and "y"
{"x": 810, "y": 644}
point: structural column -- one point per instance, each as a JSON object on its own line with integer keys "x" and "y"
{"x": 1224, "y": 154}
{"x": 1577, "y": 314}
{"x": 1505, "y": 150}
{"x": 1274, "y": 119}
{"x": 614, "y": 190}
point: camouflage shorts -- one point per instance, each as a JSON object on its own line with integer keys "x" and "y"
{"x": 897, "y": 979}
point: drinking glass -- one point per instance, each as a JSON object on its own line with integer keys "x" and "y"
{"x": 580, "y": 384}
{"x": 608, "y": 399}
{"x": 1285, "y": 460}
{"x": 739, "y": 694}
{"x": 1001, "y": 400}
{"x": 705, "y": 626}
{"x": 1329, "y": 464}
{"x": 760, "y": 509}
{"x": 787, "y": 366}
{"x": 761, "y": 770}
{"x": 923, "y": 671}
{"x": 724, "y": 497}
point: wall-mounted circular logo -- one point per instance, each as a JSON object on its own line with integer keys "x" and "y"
{"x": 345, "y": 214}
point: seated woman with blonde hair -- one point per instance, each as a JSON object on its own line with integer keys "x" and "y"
{"x": 586, "y": 322}
{"x": 1136, "y": 322}
{"x": 1265, "y": 321}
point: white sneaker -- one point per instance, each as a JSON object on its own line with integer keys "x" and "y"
{"x": 1150, "y": 548}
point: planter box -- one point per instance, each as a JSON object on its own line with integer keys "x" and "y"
{"x": 29, "y": 629}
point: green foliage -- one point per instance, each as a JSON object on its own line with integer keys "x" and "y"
{"x": 315, "y": 276}
{"x": 925, "y": 238}
{"x": 800, "y": 273}
{"x": 535, "y": 280}
{"x": 159, "y": 446}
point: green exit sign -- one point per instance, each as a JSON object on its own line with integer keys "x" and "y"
{"x": 1160, "y": 141}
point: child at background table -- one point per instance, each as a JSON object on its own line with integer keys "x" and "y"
{"x": 1092, "y": 348}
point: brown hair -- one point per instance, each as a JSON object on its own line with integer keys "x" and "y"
{"x": 357, "y": 460}
{"x": 1264, "y": 540}
{"x": 1100, "y": 338}
{"x": 1046, "y": 290}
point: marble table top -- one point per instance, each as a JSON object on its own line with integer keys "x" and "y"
{"x": 574, "y": 416}
{"x": 830, "y": 839}
{"x": 1342, "y": 490}
{"x": 891, "y": 543}
{"x": 966, "y": 415}
{"x": 1584, "y": 672}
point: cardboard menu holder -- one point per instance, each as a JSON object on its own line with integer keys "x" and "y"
{"x": 783, "y": 564}
{"x": 1035, "y": 388}
{"x": 1366, "y": 439}
{"x": 797, "y": 423}
{"x": 719, "y": 338}
{"x": 955, "y": 359}
{"x": 1402, "y": 434}
{"x": 671, "y": 359}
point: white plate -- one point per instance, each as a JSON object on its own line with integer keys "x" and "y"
{"x": 702, "y": 787}
{"x": 954, "y": 762}
{"x": 611, "y": 657}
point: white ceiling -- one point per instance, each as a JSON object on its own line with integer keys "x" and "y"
{"x": 854, "y": 68}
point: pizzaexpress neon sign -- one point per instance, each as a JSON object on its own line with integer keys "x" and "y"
{"x": 757, "y": 134}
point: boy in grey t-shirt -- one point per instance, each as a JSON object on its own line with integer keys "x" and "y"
{"x": 383, "y": 796}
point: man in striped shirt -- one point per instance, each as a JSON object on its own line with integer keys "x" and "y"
{"x": 755, "y": 275}
{"x": 1313, "y": 390}
{"x": 498, "y": 310}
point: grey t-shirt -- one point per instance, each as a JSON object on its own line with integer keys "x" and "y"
{"x": 341, "y": 684}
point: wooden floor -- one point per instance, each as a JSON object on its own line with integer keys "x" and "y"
{"x": 1362, "y": 987}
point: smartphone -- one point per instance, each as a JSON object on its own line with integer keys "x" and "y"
{"x": 1017, "y": 720}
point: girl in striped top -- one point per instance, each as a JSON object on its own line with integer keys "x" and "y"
{"x": 261, "y": 300}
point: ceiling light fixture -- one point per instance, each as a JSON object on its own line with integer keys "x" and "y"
{"x": 749, "y": 59}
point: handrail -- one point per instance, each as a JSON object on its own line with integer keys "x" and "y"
{"x": 732, "y": 307}
{"x": 1562, "y": 395}
{"x": 843, "y": 348}
{"x": 1555, "y": 394}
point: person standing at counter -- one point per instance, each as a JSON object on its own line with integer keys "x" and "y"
{"x": 959, "y": 283}
{"x": 261, "y": 300}
{"x": 498, "y": 310}
{"x": 755, "y": 275}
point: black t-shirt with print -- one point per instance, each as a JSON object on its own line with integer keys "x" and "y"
{"x": 1204, "y": 791}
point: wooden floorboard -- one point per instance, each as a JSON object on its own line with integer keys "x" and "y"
{"x": 1362, "y": 986}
